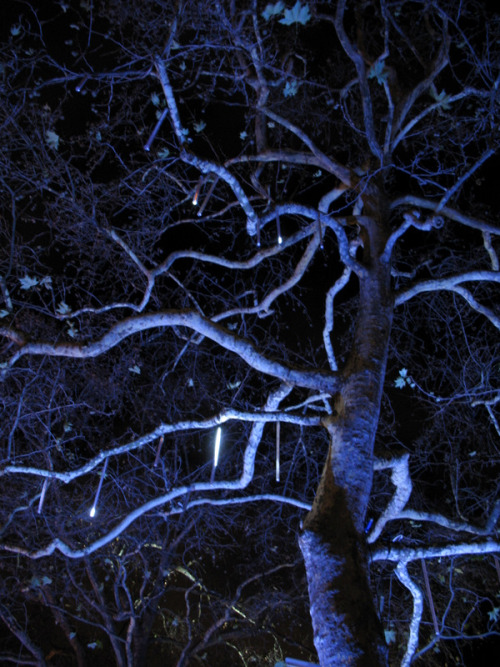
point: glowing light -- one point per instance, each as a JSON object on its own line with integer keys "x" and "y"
{"x": 82, "y": 82}
{"x": 149, "y": 142}
{"x": 278, "y": 229}
{"x": 93, "y": 510}
{"x": 217, "y": 446}
{"x": 42, "y": 495}
{"x": 158, "y": 450}
{"x": 280, "y": 240}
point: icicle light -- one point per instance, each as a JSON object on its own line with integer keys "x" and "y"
{"x": 149, "y": 142}
{"x": 196, "y": 195}
{"x": 217, "y": 446}
{"x": 278, "y": 429}
{"x": 278, "y": 228}
{"x": 42, "y": 495}
{"x": 81, "y": 83}
{"x": 207, "y": 197}
{"x": 158, "y": 450}
{"x": 96, "y": 500}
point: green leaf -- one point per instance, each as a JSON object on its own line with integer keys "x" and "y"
{"x": 46, "y": 282}
{"x": 291, "y": 88}
{"x": 441, "y": 98}
{"x": 52, "y": 139}
{"x": 378, "y": 71}
{"x": 27, "y": 282}
{"x": 494, "y": 614}
{"x": 273, "y": 10}
{"x": 298, "y": 14}
{"x": 63, "y": 308}
{"x": 72, "y": 330}
{"x": 390, "y": 636}
{"x": 95, "y": 645}
{"x": 163, "y": 153}
{"x": 199, "y": 127}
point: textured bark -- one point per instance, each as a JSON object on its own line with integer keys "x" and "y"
{"x": 346, "y": 628}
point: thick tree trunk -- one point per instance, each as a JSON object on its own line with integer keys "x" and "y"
{"x": 346, "y": 628}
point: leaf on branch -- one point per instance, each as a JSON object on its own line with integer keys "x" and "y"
{"x": 298, "y": 14}
{"x": 63, "y": 308}
{"x": 46, "y": 282}
{"x": 390, "y": 636}
{"x": 135, "y": 369}
{"x": 155, "y": 99}
{"x": 4, "y": 313}
{"x": 441, "y": 98}
{"x": 36, "y": 582}
{"x": 404, "y": 379}
{"x": 379, "y": 72}
{"x": 72, "y": 330}
{"x": 15, "y": 30}
{"x": 291, "y": 88}
{"x": 27, "y": 282}
{"x": 273, "y": 10}
{"x": 52, "y": 139}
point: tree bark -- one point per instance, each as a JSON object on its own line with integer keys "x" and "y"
{"x": 346, "y": 628}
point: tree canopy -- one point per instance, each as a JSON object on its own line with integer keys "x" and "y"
{"x": 250, "y": 363}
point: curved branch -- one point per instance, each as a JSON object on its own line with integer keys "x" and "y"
{"x": 416, "y": 617}
{"x": 452, "y": 214}
{"x": 313, "y": 379}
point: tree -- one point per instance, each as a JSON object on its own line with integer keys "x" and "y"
{"x": 191, "y": 192}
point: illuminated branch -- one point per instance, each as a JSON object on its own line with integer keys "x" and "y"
{"x": 416, "y": 617}
{"x": 453, "y": 284}
{"x": 244, "y": 480}
{"x": 398, "y": 554}
{"x": 401, "y": 479}
{"x": 328, "y": 328}
{"x": 160, "y": 432}
{"x": 314, "y": 379}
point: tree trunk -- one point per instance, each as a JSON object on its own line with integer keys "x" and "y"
{"x": 346, "y": 628}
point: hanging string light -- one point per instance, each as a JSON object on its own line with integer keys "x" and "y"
{"x": 158, "y": 450}
{"x": 42, "y": 495}
{"x": 147, "y": 145}
{"x": 96, "y": 500}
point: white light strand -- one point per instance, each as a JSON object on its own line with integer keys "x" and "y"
{"x": 217, "y": 446}
{"x": 149, "y": 142}
{"x": 82, "y": 82}
{"x": 158, "y": 450}
{"x": 96, "y": 500}
{"x": 42, "y": 495}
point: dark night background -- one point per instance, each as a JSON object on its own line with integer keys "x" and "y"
{"x": 223, "y": 584}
